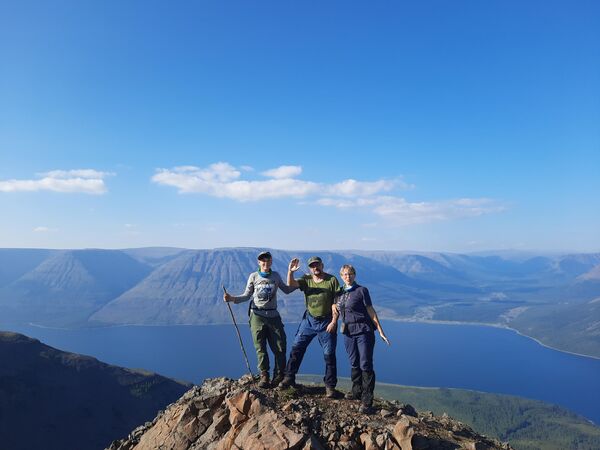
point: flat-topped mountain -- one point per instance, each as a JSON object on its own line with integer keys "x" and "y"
{"x": 188, "y": 288}
{"x": 52, "y": 399}
{"x": 68, "y": 286}
{"x": 170, "y": 286}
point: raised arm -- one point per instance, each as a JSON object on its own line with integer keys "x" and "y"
{"x": 375, "y": 319}
{"x": 293, "y": 266}
{"x": 286, "y": 289}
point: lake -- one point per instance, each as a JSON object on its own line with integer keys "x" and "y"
{"x": 459, "y": 356}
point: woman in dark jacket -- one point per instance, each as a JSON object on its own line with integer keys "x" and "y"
{"x": 359, "y": 322}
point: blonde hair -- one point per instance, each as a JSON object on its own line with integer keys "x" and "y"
{"x": 348, "y": 267}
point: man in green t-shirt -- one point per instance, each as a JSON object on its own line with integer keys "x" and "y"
{"x": 320, "y": 320}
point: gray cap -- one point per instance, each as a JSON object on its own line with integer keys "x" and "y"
{"x": 264, "y": 255}
{"x": 314, "y": 259}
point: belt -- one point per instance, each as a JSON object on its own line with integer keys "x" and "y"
{"x": 319, "y": 317}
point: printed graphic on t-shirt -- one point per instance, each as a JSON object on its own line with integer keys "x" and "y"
{"x": 264, "y": 291}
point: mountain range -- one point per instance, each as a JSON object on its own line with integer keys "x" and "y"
{"x": 554, "y": 298}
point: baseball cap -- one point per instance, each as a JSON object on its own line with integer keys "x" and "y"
{"x": 314, "y": 259}
{"x": 264, "y": 255}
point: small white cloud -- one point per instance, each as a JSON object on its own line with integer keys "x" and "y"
{"x": 79, "y": 173}
{"x": 85, "y": 181}
{"x": 247, "y": 168}
{"x": 195, "y": 179}
{"x": 129, "y": 225}
{"x": 347, "y": 203}
{"x": 283, "y": 172}
{"x": 402, "y": 212}
{"x": 43, "y": 229}
{"x": 369, "y": 225}
{"x": 353, "y": 188}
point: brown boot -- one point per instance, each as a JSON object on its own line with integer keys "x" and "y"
{"x": 277, "y": 378}
{"x": 264, "y": 379}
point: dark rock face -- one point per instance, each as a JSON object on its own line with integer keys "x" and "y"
{"x": 57, "y": 400}
{"x": 227, "y": 414}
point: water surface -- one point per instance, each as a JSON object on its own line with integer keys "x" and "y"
{"x": 460, "y": 356}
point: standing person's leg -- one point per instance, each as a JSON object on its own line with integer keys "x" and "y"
{"x": 278, "y": 343}
{"x": 328, "y": 342}
{"x": 355, "y": 372}
{"x": 304, "y": 336}
{"x": 259, "y": 329}
{"x": 366, "y": 345}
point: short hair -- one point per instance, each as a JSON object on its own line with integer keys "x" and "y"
{"x": 348, "y": 267}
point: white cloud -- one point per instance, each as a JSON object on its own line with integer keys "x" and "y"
{"x": 222, "y": 180}
{"x": 43, "y": 229}
{"x": 78, "y": 173}
{"x": 402, "y": 212}
{"x": 283, "y": 172}
{"x": 85, "y": 181}
{"x": 195, "y": 179}
{"x": 352, "y": 188}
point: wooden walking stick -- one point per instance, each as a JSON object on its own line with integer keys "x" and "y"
{"x": 238, "y": 335}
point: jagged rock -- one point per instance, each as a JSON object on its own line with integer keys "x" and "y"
{"x": 386, "y": 413}
{"x": 224, "y": 414}
{"x": 407, "y": 410}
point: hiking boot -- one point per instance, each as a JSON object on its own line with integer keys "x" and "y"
{"x": 264, "y": 379}
{"x": 364, "y": 409}
{"x": 287, "y": 382}
{"x": 330, "y": 392}
{"x": 277, "y": 378}
{"x": 352, "y": 396}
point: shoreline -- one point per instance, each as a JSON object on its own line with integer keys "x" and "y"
{"x": 395, "y": 319}
{"x": 493, "y": 325}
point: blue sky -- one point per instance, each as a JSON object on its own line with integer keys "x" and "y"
{"x": 435, "y": 126}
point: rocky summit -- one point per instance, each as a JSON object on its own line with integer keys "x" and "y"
{"x": 230, "y": 414}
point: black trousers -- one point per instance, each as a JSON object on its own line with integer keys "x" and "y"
{"x": 360, "y": 353}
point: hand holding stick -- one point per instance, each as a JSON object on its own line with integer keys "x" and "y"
{"x": 225, "y": 296}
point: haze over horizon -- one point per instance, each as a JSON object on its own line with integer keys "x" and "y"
{"x": 453, "y": 127}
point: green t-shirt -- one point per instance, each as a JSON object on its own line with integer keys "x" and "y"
{"x": 319, "y": 296}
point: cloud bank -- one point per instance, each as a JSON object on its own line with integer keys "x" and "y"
{"x": 84, "y": 181}
{"x": 222, "y": 180}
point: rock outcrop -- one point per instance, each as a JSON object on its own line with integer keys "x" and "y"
{"x": 229, "y": 414}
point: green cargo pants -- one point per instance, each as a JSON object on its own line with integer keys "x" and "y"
{"x": 268, "y": 329}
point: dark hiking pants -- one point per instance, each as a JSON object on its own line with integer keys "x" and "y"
{"x": 360, "y": 353}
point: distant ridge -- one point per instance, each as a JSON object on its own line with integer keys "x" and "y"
{"x": 52, "y": 399}
{"x": 173, "y": 286}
